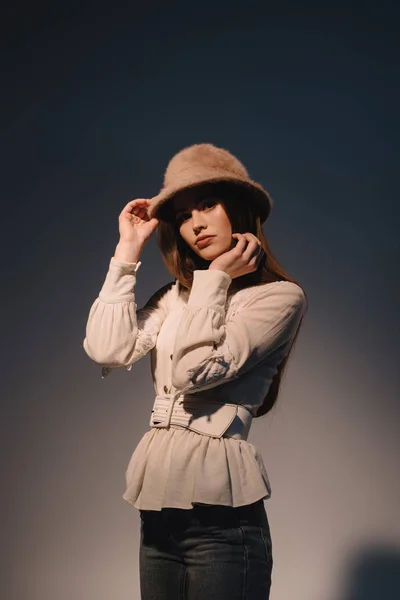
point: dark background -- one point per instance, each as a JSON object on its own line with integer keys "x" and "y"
{"x": 96, "y": 99}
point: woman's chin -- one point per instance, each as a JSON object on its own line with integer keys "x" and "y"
{"x": 209, "y": 256}
{"x": 210, "y": 253}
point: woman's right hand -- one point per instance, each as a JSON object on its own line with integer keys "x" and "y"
{"x": 135, "y": 227}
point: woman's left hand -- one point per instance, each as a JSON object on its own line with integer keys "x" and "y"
{"x": 244, "y": 258}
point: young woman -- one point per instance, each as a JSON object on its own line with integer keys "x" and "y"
{"x": 220, "y": 336}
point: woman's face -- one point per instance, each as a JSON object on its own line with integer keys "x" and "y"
{"x": 199, "y": 215}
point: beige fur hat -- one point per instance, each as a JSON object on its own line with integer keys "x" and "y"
{"x": 205, "y": 163}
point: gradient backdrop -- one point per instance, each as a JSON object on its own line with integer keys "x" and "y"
{"x": 95, "y": 102}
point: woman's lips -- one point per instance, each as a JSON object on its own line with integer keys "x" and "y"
{"x": 205, "y": 241}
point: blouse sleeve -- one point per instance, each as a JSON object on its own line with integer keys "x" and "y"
{"x": 117, "y": 334}
{"x": 211, "y": 349}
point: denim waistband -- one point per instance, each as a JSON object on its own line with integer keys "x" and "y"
{"x": 210, "y": 514}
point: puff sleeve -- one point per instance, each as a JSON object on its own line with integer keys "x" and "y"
{"x": 211, "y": 349}
{"x": 117, "y": 334}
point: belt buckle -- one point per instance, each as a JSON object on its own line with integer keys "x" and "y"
{"x": 166, "y": 420}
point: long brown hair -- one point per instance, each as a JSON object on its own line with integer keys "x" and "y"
{"x": 180, "y": 260}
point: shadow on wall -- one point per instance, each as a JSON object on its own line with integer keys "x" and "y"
{"x": 373, "y": 574}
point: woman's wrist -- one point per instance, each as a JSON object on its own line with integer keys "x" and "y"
{"x": 125, "y": 252}
{"x": 211, "y": 268}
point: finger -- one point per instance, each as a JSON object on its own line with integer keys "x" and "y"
{"x": 138, "y": 208}
{"x": 140, "y": 214}
{"x": 256, "y": 259}
{"x": 252, "y": 250}
{"x": 251, "y": 236}
{"x": 242, "y": 242}
{"x": 131, "y": 209}
{"x": 246, "y": 246}
{"x": 143, "y": 202}
{"x": 260, "y": 254}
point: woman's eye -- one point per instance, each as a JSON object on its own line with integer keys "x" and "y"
{"x": 210, "y": 203}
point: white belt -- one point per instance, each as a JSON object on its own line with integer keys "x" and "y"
{"x": 200, "y": 414}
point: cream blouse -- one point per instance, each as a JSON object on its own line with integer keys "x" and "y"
{"x": 226, "y": 345}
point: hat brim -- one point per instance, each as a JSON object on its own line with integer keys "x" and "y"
{"x": 262, "y": 199}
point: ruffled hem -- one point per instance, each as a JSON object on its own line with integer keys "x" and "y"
{"x": 176, "y": 467}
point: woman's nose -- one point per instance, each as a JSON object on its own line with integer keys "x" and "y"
{"x": 198, "y": 219}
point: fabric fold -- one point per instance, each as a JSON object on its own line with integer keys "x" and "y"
{"x": 198, "y": 341}
{"x": 117, "y": 333}
{"x": 189, "y": 468}
{"x": 212, "y": 347}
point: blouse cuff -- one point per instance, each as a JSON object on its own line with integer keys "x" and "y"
{"x": 126, "y": 267}
{"x": 120, "y": 281}
{"x": 209, "y": 289}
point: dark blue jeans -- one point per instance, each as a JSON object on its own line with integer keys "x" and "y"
{"x": 205, "y": 553}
